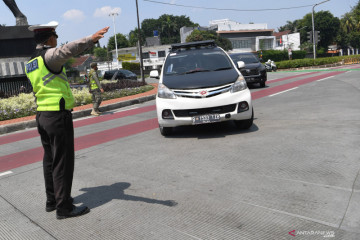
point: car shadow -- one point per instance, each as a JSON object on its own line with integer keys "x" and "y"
{"x": 207, "y": 131}
{"x": 257, "y": 86}
{"x": 94, "y": 197}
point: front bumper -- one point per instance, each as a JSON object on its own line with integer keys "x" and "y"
{"x": 184, "y": 109}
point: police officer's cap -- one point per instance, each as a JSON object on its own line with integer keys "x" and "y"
{"x": 42, "y": 32}
{"x": 51, "y": 26}
{"x": 93, "y": 64}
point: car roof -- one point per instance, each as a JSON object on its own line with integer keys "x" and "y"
{"x": 189, "y": 45}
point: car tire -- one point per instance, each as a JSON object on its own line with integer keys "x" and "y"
{"x": 165, "y": 131}
{"x": 245, "y": 124}
{"x": 262, "y": 84}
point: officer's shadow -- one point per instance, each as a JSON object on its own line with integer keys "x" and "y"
{"x": 97, "y": 196}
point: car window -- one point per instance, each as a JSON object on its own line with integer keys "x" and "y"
{"x": 196, "y": 60}
{"x": 246, "y": 58}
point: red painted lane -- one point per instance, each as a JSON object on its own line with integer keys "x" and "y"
{"x": 109, "y": 117}
{"x": 18, "y": 137}
{"x": 81, "y": 123}
{"x": 36, "y": 154}
{"x": 114, "y": 133}
{"x": 276, "y": 89}
{"x": 290, "y": 77}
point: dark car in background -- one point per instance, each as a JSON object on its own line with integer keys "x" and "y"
{"x": 119, "y": 74}
{"x": 254, "y": 71}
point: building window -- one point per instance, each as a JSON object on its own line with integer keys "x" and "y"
{"x": 266, "y": 44}
{"x": 161, "y": 53}
{"x": 241, "y": 43}
{"x": 145, "y": 55}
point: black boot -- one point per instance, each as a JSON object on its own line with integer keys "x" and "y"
{"x": 74, "y": 212}
{"x": 51, "y": 205}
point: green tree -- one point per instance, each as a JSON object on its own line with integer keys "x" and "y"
{"x": 198, "y": 35}
{"x": 133, "y": 38}
{"x": 101, "y": 53}
{"x": 326, "y": 23}
{"x": 167, "y": 25}
{"x": 292, "y": 26}
{"x": 348, "y": 34}
{"x": 121, "y": 40}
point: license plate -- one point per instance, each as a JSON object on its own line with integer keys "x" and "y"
{"x": 208, "y": 118}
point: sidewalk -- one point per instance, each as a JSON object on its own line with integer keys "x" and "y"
{"x": 17, "y": 124}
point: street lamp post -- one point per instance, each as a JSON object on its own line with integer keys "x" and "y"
{"x": 139, "y": 42}
{"x": 313, "y": 27}
{"x": 116, "y": 54}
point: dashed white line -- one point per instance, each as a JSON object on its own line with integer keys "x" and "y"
{"x": 324, "y": 79}
{"x": 5, "y": 173}
{"x": 283, "y": 91}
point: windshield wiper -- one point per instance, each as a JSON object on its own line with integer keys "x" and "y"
{"x": 197, "y": 70}
{"x": 224, "y": 68}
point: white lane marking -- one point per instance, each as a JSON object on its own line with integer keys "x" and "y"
{"x": 283, "y": 91}
{"x": 116, "y": 111}
{"x": 123, "y": 110}
{"x": 5, "y": 173}
{"x": 324, "y": 79}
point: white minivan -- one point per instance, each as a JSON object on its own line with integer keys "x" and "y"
{"x": 200, "y": 84}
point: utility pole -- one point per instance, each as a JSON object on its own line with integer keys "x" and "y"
{"x": 139, "y": 42}
{"x": 313, "y": 27}
{"x": 116, "y": 54}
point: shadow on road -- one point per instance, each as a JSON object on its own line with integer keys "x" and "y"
{"x": 96, "y": 196}
{"x": 207, "y": 131}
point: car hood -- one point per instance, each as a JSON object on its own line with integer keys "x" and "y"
{"x": 200, "y": 79}
{"x": 253, "y": 65}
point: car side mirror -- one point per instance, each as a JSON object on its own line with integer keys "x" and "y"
{"x": 154, "y": 74}
{"x": 240, "y": 64}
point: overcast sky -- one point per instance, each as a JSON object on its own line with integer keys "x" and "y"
{"x": 80, "y": 18}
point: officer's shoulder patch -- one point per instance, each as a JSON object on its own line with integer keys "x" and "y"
{"x": 31, "y": 66}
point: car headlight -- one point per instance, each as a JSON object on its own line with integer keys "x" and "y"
{"x": 239, "y": 85}
{"x": 164, "y": 92}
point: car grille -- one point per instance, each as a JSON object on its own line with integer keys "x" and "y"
{"x": 249, "y": 72}
{"x": 201, "y": 111}
{"x": 202, "y": 93}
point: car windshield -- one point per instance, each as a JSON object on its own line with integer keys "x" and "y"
{"x": 246, "y": 58}
{"x": 196, "y": 60}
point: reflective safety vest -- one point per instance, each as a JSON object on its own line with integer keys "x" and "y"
{"x": 49, "y": 88}
{"x": 92, "y": 81}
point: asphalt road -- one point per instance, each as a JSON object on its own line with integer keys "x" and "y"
{"x": 293, "y": 175}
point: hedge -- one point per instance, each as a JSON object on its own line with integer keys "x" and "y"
{"x": 307, "y": 62}
{"x": 281, "y": 55}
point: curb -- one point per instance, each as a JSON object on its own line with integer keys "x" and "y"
{"x": 8, "y": 128}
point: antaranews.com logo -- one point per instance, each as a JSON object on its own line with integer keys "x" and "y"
{"x": 325, "y": 234}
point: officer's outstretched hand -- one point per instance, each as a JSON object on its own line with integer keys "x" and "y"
{"x": 99, "y": 34}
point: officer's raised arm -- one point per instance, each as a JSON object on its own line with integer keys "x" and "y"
{"x": 56, "y": 57}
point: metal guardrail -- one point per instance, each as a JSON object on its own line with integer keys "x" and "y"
{"x": 14, "y": 87}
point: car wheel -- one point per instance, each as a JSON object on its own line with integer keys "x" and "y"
{"x": 245, "y": 124}
{"x": 165, "y": 131}
{"x": 262, "y": 84}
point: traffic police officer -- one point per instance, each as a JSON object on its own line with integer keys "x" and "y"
{"x": 54, "y": 102}
{"x": 95, "y": 89}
